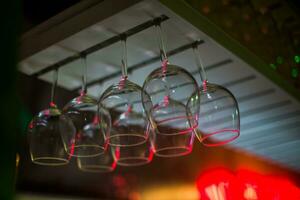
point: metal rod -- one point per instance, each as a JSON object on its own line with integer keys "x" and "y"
{"x": 144, "y": 63}
{"x": 103, "y": 44}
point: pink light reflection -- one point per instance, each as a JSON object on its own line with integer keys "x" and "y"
{"x": 151, "y": 154}
{"x": 52, "y": 104}
{"x": 122, "y": 82}
{"x": 204, "y": 83}
{"x": 235, "y": 132}
{"x": 124, "y": 114}
{"x": 164, "y": 65}
{"x": 72, "y": 149}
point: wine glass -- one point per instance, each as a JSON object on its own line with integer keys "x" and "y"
{"x": 172, "y": 120}
{"x": 123, "y": 101}
{"x": 219, "y": 117}
{"x": 134, "y": 155}
{"x": 89, "y": 138}
{"x": 102, "y": 163}
{"x": 44, "y": 134}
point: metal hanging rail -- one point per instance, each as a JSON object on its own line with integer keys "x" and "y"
{"x": 103, "y": 44}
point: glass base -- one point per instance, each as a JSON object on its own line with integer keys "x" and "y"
{"x": 133, "y": 161}
{"x": 85, "y": 150}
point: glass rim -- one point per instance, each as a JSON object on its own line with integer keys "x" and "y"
{"x": 60, "y": 161}
{"x": 187, "y": 151}
{"x": 140, "y": 161}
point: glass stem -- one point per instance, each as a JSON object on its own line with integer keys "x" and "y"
{"x": 54, "y": 84}
{"x": 125, "y": 73}
{"x": 199, "y": 64}
{"x": 124, "y": 63}
{"x": 162, "y": 47}
{"x": 84, "y": 76}
{"x": 124, "y": 58}
{"x": 164, "y": 63}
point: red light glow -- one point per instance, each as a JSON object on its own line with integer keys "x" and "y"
{"x": 218, "y": 184}
{"x": 251, "y": 183}
{"x": 151, "y": 154}
{"x": 221, "y": 184}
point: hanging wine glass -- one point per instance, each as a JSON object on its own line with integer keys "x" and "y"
{"x": 102, "y": 163}
{"x": 123, "y": 100}
{"x": 219, "y": 117}
{"x": 89, "y": 139}
{"x": 44, "y": 134}
{"x": 173, "y": 121}
{"x": 134, "y": 155}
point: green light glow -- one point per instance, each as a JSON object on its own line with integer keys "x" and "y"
{"x": 273, "y": 66}
{"x": 295, "y": 72}
{"x": 297, "y": 59}
{"x": 279, "y": 60}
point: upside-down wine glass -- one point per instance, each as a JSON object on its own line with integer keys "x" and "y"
{"x": 102, "y": 163}
{"x": 219, "y": 117}
{"x": 89, "y": 138}
{"x": 172, "y": 120}
{"x": 44, "y": 134}
{"x": 135, "y": 155}
{"x": 129, "y": 133}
